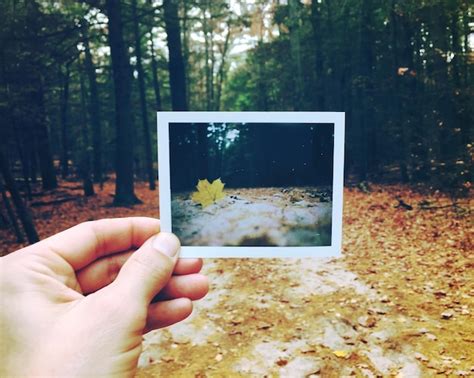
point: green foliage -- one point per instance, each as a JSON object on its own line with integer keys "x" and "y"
{"x": 401, "y": 70}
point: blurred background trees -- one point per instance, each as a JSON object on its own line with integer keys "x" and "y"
{"x": 80, "y": 82}
{"x": 242, "y": 154}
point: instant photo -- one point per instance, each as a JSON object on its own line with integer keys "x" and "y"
{"x": 242, "y": 185}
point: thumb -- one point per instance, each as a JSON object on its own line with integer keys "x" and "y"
{"x": 149, "y": 268}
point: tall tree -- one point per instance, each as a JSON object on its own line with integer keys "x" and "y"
{"x": 64, "y": 121}
{"x": 316, "y": 19}
{"x": 295, "y": 47}
{"x": 396, "y": 104}
{"x": 21, "y": 209}
{"x": 185, "y": 30}
{"x": 176, "y": 63}
{"x": 11, "y": 215}
{"x": 41, "y": 136}
{"x": 222, "y": 71}
{"x": 362, "y": 90}
{"x": 122, "y": 74}
{"x": 143, "y": 104}
{"x": 85, "y": 158}
{"x": 154, "y": 73}
{"x": 94, "y": 104}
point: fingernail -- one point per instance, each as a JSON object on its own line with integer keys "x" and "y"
{"x": 166, "y": 243}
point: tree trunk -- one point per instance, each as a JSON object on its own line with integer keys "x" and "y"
{"x": 24, "y": 163}
{"x": 32, "y": 160}
{"x": 461, "y": 86}
{"x": 396, "y": 103}
{"x": 364, "y": 87}
{"x": 4, "y": 221}
{"x": 295, "y": 47}
{"x": 222, "y": 69}
{"x": 7, "y": 118}
{"x": 205, "y": 27}
{"x": 64, "y": 120}
{"x": 143, "y": 105}
{"x": 203, "y": 152}
{"x": 318, "y": 95}
{"x": 443, "y": 100}
{"x": 124, "y": 190}
{"x": 176, "y": 64}
{"x": 156, "y": 82}
{"x": 21, "y": 209}
{"x": 213, "y": 62}
{"x": 94, "y": 108}
{"x": 185, "y": 39}
{"x": 48, "y": 174}
{"x": 262, "y": 100}
{"x": 11, "y": 215}
{"x": 85, "y": 157}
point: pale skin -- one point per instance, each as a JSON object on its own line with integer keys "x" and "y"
{"x": 79, "y": 302}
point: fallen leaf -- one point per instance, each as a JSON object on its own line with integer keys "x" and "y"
{"x": 236, "y": 321}
{"x": 431, "y": 337}
{"x": 208, "y": 193}
{"x": 462, "y": 373}
{"x": 447, "y": 314}
{"x": 421, "y": 357}
{"x": 341, "y": 353}
{"x": 367, "y": 321}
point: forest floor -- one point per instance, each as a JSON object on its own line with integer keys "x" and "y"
{"x": 256, "y": 217}
{"x": 398, "y": 303}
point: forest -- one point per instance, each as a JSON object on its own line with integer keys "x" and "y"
{"x": 80, "y": 85}
{"x": 81, "y": 82}
{"x": 243, "y": 155}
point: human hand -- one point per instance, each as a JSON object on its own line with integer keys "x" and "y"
{"x": 78, "y": 303}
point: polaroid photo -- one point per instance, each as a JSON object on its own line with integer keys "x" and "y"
{"x": 252, "y": 184}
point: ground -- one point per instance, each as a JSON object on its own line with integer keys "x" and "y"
{"x": 256, "y": 217}
{"x": 398, "y": 302}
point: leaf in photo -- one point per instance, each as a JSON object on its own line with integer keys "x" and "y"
{"x": 208, "y": 193}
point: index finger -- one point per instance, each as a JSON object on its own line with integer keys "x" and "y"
{"x": 86, "y": 242}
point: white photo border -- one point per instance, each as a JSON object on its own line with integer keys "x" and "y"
{"x": 336, "y": 118}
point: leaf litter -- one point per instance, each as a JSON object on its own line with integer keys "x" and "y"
{"x": 399, "y": 302}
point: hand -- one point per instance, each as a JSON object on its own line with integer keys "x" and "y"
{"x": 78, "y": 303}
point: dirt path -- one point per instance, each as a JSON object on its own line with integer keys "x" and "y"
{"x": 284, "y": 317}
{"x": 399, "y": 302}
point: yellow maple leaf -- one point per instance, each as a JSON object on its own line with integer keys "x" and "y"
{"x": 208, "y": 193}
{"x": 341, "y": 353}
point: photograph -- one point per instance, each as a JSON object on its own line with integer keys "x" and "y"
{"x": 251, "y": 184}
{"x": 263, "y": 181}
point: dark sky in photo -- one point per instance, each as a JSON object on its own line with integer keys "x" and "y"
{"x": 251, "y": 154}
